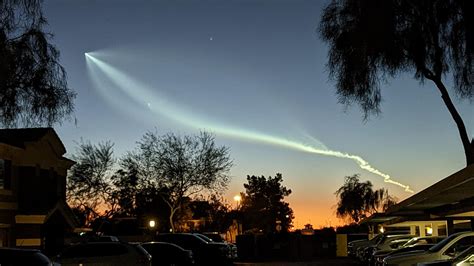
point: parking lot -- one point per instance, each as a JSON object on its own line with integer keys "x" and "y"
{"x": 317, "y": 262}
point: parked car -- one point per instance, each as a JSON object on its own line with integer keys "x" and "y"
{"x": 216, "y": 237}
{"x": 416, "y": 243}
{"x": 104, "y": 253}
{"x": 168, "y": 254}
{"x": 389, "y": 242}
{"x": 465, "y": 258}
{"x": 205, "y": 253}
{"x": 353, "y": 246}
{"x": 21, "y": 257}
{"x": 421, "y": 240}
{"x": 365, "y": 250}
{"x": 444, "y": 250}
{"x": 103, "y": 239}
{"x": 379, "y": 257}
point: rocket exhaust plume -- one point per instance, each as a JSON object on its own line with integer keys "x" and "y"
{"x": 144, "y": 95}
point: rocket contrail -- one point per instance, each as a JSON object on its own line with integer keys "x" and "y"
{"x": 144, "y": 95}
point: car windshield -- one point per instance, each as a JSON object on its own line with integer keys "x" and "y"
{"x": 411, "y": 242}
{"x": 205, "y": 238}
{"x": 215, "y": 237}
{"x": 443, "y": 243}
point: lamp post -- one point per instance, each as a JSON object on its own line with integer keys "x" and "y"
{"x": 237, "y": 199}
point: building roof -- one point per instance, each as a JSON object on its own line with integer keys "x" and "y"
{"x": 19, "y": 136}
{"x": 444, "y": 195}
{"x": 451, "y": 197}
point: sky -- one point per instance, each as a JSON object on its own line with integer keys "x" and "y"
{"x": 253, "y": 72}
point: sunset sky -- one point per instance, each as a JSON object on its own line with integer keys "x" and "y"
{"x": 253, "y": 73}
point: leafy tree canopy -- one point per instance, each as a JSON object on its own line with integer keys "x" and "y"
{"x": 357, "y": 200}
{"x": 263, "y": 204}
{"x": 372, "y": 40}
{"x": 33, "y": 86}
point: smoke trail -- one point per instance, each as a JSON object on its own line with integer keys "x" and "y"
{"x": 142, "y": 94}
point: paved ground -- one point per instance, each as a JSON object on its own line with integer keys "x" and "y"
{"x": 317, "y": 262}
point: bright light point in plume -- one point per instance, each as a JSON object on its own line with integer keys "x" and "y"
{"x": 142, "y": 93}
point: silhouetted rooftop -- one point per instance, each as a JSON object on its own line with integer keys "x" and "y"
{"x": 18, "y": 136}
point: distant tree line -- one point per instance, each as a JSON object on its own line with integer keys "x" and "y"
{"x": 171, "y": 179}
{"x": 158, "y": 179}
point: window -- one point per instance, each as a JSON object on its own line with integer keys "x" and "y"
{"x": 459, "y": 246}
{"x": 5, "y": 174}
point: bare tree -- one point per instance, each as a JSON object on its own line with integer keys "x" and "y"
{"x": 89, "y": 187}
{"x": 371, "y": 40}
{"x": 182, "y": 167}
{"x": 33, "y": 86}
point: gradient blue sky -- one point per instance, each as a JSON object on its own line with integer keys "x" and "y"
{"x": 257, "y": 66}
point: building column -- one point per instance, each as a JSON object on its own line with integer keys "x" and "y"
{"x": 422, "y": 230}
{"x": 449, "y": 226}
{"x": 435, "y": 229}
{"x": 412, "y": 230}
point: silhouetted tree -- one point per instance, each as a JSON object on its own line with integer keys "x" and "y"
{"x": 263, "y": 206}
{"x": 182, "y": 167}
{"x": 214, "y": 211}
{"x": 371, "y": 40}
{"x": 126, "y": 187}
{"x": 89, "y": 189}
{"x": 357, "y": 200}
{"x": 220, "y": 215}
{"x": 33, "y": 86}
{"x": 150, "y": 205}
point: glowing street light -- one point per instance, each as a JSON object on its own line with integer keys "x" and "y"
{"x": 152, "y": 223}
{"x": 237, "y": 198}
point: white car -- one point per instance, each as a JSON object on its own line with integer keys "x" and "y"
{"x": 444, "y": 250}
{"x": 465, "y": 258}
{"x": 104, "y": 254}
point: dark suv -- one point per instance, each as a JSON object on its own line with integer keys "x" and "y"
{"x": 205, "y": 253}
